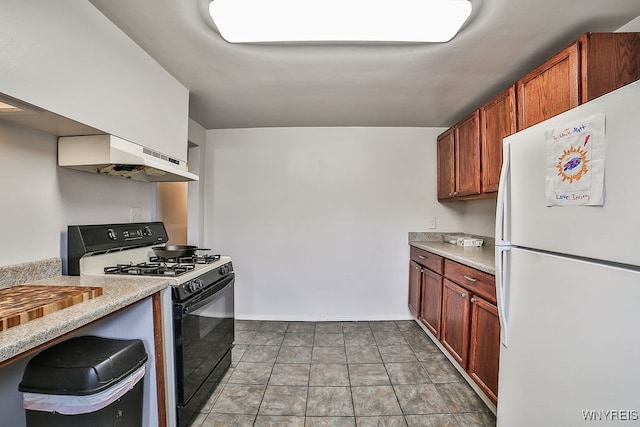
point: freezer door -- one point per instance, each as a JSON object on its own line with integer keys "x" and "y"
{"x": 574, "y": 345}
{"x": 608, "y": 232}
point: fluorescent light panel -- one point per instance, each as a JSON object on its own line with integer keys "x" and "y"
{"x": 250, "y": 21}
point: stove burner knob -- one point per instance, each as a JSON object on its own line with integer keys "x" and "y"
{"x": 194, "y": 285}
{"x": 224, "y": 269}
{"x": 147, "y": 231}
{"x": 112, "y": 234}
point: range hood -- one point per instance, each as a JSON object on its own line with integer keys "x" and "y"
{"x": 110, "y": 155}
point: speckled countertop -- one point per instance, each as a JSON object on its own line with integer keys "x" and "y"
{"x": 117, "y": 292}
{"x": 481, "y": 258}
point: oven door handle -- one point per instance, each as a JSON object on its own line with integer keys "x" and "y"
{"x": 205, "y": 297}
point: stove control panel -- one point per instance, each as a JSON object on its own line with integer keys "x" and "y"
{"x": 87, "y": 239}
{"x": 208, "y": 278}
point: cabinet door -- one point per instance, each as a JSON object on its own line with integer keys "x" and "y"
{"x": 550, "y": 89}
{"x": 415, "y": 272}
{"x": 467, "y": 155}
{"x": 484, "y": 351}
{"x": 446, "y": 165}
{"x": 497, "y": 120}
{"x": 455, "y": 321}
{"x": 431, "y": 307}
{"x": 609, "y": 61}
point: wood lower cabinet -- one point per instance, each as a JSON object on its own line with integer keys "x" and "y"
{"x": 457, "y": 305}
{"x": 484, "y": 347}
{"x": 431, "y": 307}
{"x": 415, "y": 278}
{"x": 456, "y": 310}
{"x": 425, "y": 288}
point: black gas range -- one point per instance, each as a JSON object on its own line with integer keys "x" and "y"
{"x": 202, "y": 288}
{"x": 126, "y": 249}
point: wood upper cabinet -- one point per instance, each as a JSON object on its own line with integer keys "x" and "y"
{"x": 608, "y": 62}
{"x": 431, "y": 307}
{"x": 595, "y": 64}
{"x": 550, "y": 89}
{"x": 456, "y": 311}
{"x": 459, "y": 159}
{"x": 497, "y": 121}
{"x": 415, "y": 277}
{"x": 484, "y": 348}
{"x": 446, "y": 165}
{"x": 467, "y": 155}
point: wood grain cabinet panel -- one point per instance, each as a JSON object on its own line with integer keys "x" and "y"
{"x": 497, "y": 121}
{"x": 608, "y": 62}
{"x": 550, "y": 89}
{"x": 476, "y": 281}
{"x": 467, "y": 155}
{"x": 446, "y": 165}
{"x": 484, "y": 347}
{"x": 431, "y": 307}
{"x": 456, "y": 304}
{"x": 595, "y": 64}
{"x": 456, "y": 309}
{"x": 415, "y": 277}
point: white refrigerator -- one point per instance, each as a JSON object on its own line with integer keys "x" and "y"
{"x": 568, "y": 277}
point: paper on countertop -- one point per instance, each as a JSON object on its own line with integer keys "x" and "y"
{"x": 575, "y": 162}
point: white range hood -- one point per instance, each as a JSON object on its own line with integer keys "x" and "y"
{"x": 110, "y": 155}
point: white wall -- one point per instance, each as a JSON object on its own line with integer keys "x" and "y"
{"x": 39, "y": 199}
{"x": 316, "y": 219}
{"x": 631, "y": 26}
{"x": 66, "y": 57}
{"x": 479, "y": 217}
{"x": 196, "y": 190}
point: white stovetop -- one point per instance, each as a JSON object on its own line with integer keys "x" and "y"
{"x": 94, "y": 265}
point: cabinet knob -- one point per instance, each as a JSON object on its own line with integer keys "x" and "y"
{"x": 471, "y": 279}
{"x": 463, "y": 295}
{"x": 421, "y": 256}
{"x": 473, "y": 299}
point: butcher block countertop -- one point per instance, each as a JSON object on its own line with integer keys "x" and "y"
{"x": 23, "y": 303}
{"x": 481, "y": 258}
{"x": 117, "y": 292}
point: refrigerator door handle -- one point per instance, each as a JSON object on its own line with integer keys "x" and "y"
{"x": 501, "y": 204}
{"x": 502, "y": 293}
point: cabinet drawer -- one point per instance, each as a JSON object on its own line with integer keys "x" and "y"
{"x": 427, "y": 259}
{"x": 476, "y": 281}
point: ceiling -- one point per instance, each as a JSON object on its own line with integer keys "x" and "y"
{"x": 357, "y": 84}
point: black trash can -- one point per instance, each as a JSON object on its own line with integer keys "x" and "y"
{"x": 85, "y": 381}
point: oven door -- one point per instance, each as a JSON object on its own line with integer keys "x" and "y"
{"x": 203, "y": 327}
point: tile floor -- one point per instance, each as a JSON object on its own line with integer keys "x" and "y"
{"x": 341, "y": 374}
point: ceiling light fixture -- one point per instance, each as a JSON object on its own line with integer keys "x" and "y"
{"x": 251, "y": 21}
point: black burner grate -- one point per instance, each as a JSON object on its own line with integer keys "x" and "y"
{"x": 194, "y": 259}
{"x": 149, "y": 269}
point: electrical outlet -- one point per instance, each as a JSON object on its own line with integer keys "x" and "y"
{"x": 432, "y": 223}
{"x": 135, "y": 215}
